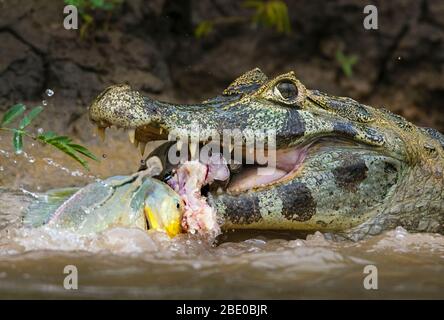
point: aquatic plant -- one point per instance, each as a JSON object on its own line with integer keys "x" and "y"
{"x": 346, "y": 62}
{"x": 269, "y": 13}
{"x": 62, "y": 143}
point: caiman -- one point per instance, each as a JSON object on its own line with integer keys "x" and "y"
{"x": 342, "y": 167}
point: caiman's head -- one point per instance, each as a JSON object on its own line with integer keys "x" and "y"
{"x": 339, "y": 164}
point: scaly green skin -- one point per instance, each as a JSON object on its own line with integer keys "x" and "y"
{"x": 389, "y": 172}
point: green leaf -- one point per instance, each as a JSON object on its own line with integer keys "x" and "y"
{"x": 17, "y": 141}
{"x": 203, "y": 29}
{"x": 26, "y": 121}
{"x": 13, "y": 113}
{"x": 83, "y": 151}
{"x": 62, "y": 143}
{"x": 97, "y": 3}
{"x": 87, "y": 18}
{"x": 60, "y": 139}
{"x": 346, "y": 62}
{"x": 65, "y": 145}
{"x": 47, "y": 135}
{"x": 70, "y": 152}
{"x": 272, "y": 13}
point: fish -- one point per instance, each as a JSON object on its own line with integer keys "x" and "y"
{"x": 138, "y": 200}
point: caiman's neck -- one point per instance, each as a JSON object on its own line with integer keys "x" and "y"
{"x": 417, "y": 203}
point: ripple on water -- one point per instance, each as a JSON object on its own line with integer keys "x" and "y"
{"x": 276, "y": 268}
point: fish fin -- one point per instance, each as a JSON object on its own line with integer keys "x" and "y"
{"x": 41, "y": 211}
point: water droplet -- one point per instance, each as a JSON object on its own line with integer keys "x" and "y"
{"x": 1, "y": 168}
{"x": 45, "y": 103}
{"x": 49, "y": 92}
{"x": 31, "y": 160}
{"x": 104, "y": 156}
{"x": 40, "y": 130}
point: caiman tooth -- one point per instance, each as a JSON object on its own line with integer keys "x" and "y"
{"x": 230, "y": 147}
{"x": 132, "y": 135}
{"x": 160, "y": 130}
{"x": 142, "y": 146}
{"x": 101, "y": 133}
{"x": 193, "y": 150}
{"x": 136, "y": 143}
{"x": 179, "y": 144}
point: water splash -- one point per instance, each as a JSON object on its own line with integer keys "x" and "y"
{"x": 73, "y": 173}
{"x": 49, "y": 92}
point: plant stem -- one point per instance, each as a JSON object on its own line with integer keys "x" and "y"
{"x": 25, "y": 133}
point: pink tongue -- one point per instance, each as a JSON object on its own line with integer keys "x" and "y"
{"x": 287, "y": 161}
{"x": 249, "y": 178}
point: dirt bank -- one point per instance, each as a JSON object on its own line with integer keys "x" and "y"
{"x": 150, "y": 44}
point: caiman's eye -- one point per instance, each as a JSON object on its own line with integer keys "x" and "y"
{"x": 286, "y": 90}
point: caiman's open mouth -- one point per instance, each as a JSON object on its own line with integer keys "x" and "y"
{"x": 222, "y": 172}
{"x": 205, "y": 171}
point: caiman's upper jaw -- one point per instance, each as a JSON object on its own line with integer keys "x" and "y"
{"x": 122, "y": 107}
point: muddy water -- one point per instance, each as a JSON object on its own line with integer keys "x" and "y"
{"x": 129, "y": 263}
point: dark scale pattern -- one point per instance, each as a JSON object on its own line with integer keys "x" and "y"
{"x": 343, "y": 106}
{"x": 435, "y": 134}
{"x": 372, "y": 136}
{"x": 242, "y": 209}
{"x": 401, "y": 122}
{"x": 350, "y": 174}
{"x": 294, "y": 128}
{"x": 344, "y": 128}
{"x": 298, "y": 203}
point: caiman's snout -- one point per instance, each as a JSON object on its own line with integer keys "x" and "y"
{"x": 122, "y": 106}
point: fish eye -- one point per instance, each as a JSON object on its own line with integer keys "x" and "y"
{"x": 178, "y": 205}
{"x": 286, "y": 90}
